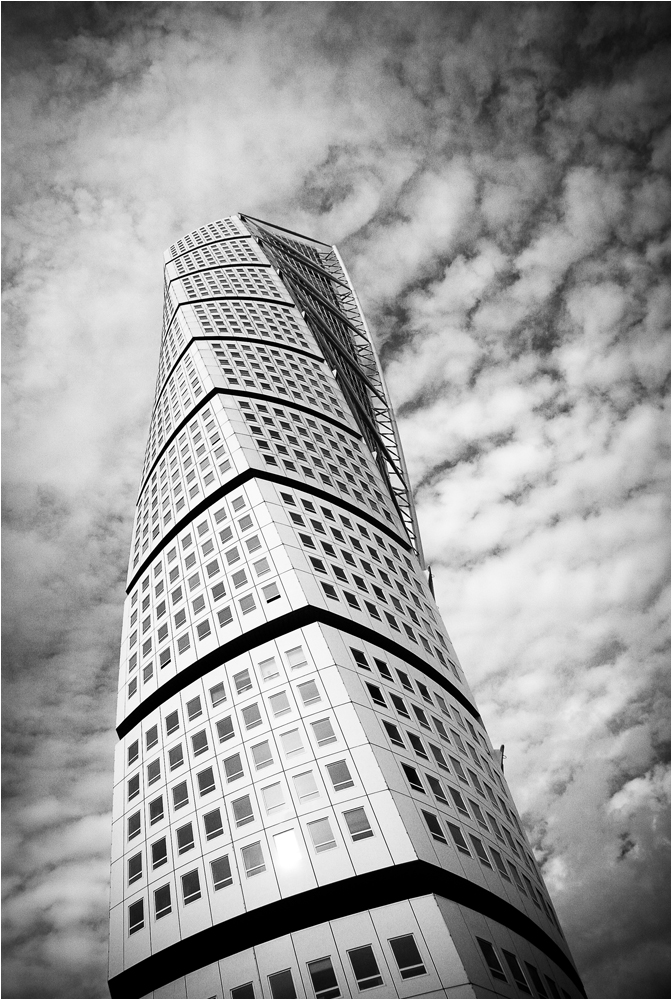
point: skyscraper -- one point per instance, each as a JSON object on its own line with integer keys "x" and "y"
{"x": 306, "y": 802}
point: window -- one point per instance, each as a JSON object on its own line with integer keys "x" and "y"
{"x": 133, "y": 752}
{"x": 324, "y": 732}
{"x": 491, "y": 959}
{"x": 273, "y": 797}
{"x": 413, "y": 777}
{"x": 253, "y": 859}
{"x": 133, "y": 786}
{"x": 437, "y": 754}
{"x": 242, "y": 810}
{"x": 269, "y": 669}
{"x": 152, "y": 737}
{"x": 291, "y": 742}
{"x": 162, "y": 905}
{"x": 175, "y": 757}
{"x": 191, "y": 887}
{"x": 340, "y": 775}
{"x": 399, "y": 705}
{"x": 217, "y": 695}
{"x": 365, "y": 968}
{"x": 242, "y": 681}
{"x": 134, "y": 868}
{"x": 329, "y": 590}
{"x": 296, "y": 657}
{"x": 309, "y": 692}
{"x": 279, "y": 703}
{"x": 252, "y": 716}
{"x": 136, "y": 916}
{"x": 437, "y": 788}
{"x": 358, "y": 824}
{"x": 221, "y": 874}
{"x": 282, "y": 984}
{"x": 199, "y": 743}
{"x": 458, "y": 837}
{"x": 180, "y": 795}
{"x": 133, "y": 825}
{"x": 417, "y": 745}
{"x": 360, "y": 658}
{"x": 434, "y": 826}
{"x": 376, "y": 695}
{"x": 321, "y": 835}
{"x": 233, "y": 767}
{"x": 393, "y": 733}
{"x": 536, "y": 979}
{"x": 407, "y": 956}
{"x": 323, "y": 978}
{"x": 306, "y": 786}
{"x": 185, "y": 838}
{"x": 552, "y": 987}
{"x": 172, "y": 723}
{"x": 261, "y": 754}
{"x": 480, "y": 851}
{"x": 212, "y": 823}
{"x": 159, "y": 853}
{"x": 156, "y": 810}
{"x": 243, "y": 992}
{"x": 516, "y": 971}
{"x": 420, "y": 716}
{"x": 153, "y": 771}
{"x": 206, "y": 781}
{"x": 218, "y": 591}
{"x": 225, "y": 729}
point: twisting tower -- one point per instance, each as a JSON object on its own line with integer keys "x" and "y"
{"x": 306, "y": 802}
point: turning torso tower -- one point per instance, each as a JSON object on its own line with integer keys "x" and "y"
{"x": 306, "y": 802}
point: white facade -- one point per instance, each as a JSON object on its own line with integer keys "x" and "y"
{"x": 306, "y": 802}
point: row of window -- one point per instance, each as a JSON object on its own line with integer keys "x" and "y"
{"x": 292, "y": 744}
{"x": 526, "y": 982}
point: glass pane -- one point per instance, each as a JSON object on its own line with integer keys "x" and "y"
{"x": 282, "y": 985}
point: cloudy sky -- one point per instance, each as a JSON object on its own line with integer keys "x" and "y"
{"x": 496, "y": 178}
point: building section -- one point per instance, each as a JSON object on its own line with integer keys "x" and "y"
{"x": 306, "y": 802}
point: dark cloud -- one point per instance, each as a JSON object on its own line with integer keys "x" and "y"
{"x": 496, "y": 177}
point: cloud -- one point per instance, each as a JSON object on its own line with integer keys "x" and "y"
{"x": 496, "y": 177}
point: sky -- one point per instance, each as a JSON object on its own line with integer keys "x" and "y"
{"x": 495, "y": 176}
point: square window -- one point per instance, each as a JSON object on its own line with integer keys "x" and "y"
{"x": 413, "y": 777}
{"x": 225, "y": 616}
{"x": 252, "y": 716}
{"x": 212, "y": 823}
{"x": 194, "y": 708}
{"x": 217, "y": 694}
{"x": 291, "y": 742}
{"x": 271, "y": 592}
{"x": 261, "y": 754}
{"x": 279, "y": 703}
{"x": 175, "y": 757}
{"x": 225, "y": 730}
{"x": 247, "y": 604}
{"x": 243, "y": 681}
{"x": 156, "y": 810}
{"x": 394, "y": 733}
{"x": 269, "y": 669}
{"x": 133, "y": 752}
{"x": 358, "y": 824}
{"x": 221, "y": 877}
{"x": 133, "y": 825}
{"x": 273, "y": 797}
{"x": 323, "y": 978}
{"x": 253, "y": 861}
{"x": 434, "y": 826}
{"x": 180, "y": 795}
{"x": 159, "y": 853}
{"x": 206, "y": 781}
{"x": 296, "y": 657}
{"x": 324, "y": 732}
{"x": 183, "y": 643}
{"x": 136, "y": 917}
{"x": 376, "y": 695}
{"x": 365, "y": 968}
{"x": 282, "y": 984}
{"x": 242, "y": 810}
{"x": 306, "y": 786}
{"x": 492, "y": 960}
{"x": 408, "y": 958}
{"x": 133, "y": 786}
{"x": 185, "y": 838}
{"x": 134, "y": 868}
{"x": 154, "y": 771}
{"x": 191, "y": 887}
{"x": 340, "y": 775}
{"x": 233, "y": 767}
{"x": 218, "y": 591}
{"x": 309, "y": 692}
{"x": 239, "y": 578}
{"x": 203, "y": 629}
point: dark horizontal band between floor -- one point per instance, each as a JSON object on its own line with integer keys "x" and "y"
{"x": 272, "y": 477}
{"x": 273, "y": 630}
{"x": 330, "y": 902}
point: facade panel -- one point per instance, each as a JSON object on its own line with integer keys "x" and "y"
{"x": 306, "y": 802}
